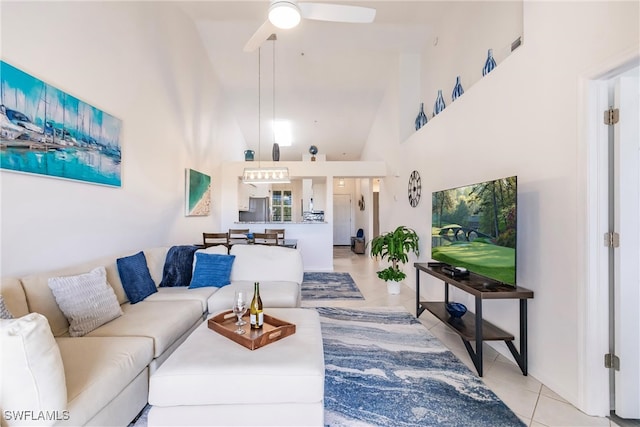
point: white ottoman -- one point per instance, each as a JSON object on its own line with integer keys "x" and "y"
{"x": 211, "y": 380}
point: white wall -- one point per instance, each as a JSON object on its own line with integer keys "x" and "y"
{"x": 464, "y": 35}
{"x": 143, "y": 63}
{"x": 521, "y": 119}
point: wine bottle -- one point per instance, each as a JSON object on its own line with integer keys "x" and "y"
{"x": 255, "y": 310}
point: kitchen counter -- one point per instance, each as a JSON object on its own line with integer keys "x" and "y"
{"x": 314, "y": 239}
{"x": 280, "y": 223}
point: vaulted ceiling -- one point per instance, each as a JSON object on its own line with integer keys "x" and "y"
{"x": 329, "y": 77}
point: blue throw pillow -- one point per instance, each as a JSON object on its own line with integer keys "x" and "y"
{"x": 212, "y": 270}
{"x": 135, "y": 277}
{"x": 178, "y": 266}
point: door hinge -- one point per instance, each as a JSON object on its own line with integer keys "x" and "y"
{"x": 611, "y": 116}
{"x": 611, "y": 239}
{"x": 611, "y": 361}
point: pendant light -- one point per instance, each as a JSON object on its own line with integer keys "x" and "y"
{"x": 268, "y": 175}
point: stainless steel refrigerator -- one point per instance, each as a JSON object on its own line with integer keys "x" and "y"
{"x": 259, "y": 210}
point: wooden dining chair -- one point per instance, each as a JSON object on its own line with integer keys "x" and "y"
{"x": 270, "y": 239}
{"x": 213, "y": 239}
{"x": 238, "y": 235}
{"x": 279, "y": 232}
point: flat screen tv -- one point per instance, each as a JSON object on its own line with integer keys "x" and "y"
{"x": 474, "y": 227}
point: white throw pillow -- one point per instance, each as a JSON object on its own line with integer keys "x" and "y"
{"x": 33, "y": 382}
{"x": 86, "y": 300}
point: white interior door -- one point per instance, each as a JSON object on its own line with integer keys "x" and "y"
{"x": 341, "y": 219}
{"x": 627, "y": 256}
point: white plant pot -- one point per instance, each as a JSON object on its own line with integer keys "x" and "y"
{"x": 393, "y": 287}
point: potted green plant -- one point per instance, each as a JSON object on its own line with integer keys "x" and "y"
{"x": 395, "y": 246}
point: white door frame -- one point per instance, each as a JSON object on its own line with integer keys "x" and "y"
{"x": 593, "y": 268}
{"x": 627, "y": 272}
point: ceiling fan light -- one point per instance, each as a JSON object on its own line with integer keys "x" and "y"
{"x": 284, "y": 14}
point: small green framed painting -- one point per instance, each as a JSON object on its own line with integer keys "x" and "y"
{"x": 198, "y": 191}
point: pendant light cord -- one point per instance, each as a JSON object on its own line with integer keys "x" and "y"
{"x": 259, "y": 103}
{"x": 274, "y": 91}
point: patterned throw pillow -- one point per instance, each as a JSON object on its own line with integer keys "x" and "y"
{"x": 86, "y": 300}
{"x": 135, "y": 277}
{"x": 4, "y": 311}
{"x": 212, "y": 270}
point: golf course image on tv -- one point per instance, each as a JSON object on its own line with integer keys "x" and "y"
{"x": 475, "y": 227}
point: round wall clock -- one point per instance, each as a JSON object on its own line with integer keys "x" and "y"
{"x": 415, "y": 188}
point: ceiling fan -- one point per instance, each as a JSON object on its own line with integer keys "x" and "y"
{"x": 285, "y": 14}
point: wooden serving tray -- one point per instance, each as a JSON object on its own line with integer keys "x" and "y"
{"x": 272, "y": 330}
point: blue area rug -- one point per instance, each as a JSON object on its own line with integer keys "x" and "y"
{"x": 329, "y": 286}
{"x": 383, "y": 368}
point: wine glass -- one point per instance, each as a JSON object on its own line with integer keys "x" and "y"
{"x": 241, "y": 296}
{"x": 239, "y": 309}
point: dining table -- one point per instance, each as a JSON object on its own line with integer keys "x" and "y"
{"x": 287, "y": 243}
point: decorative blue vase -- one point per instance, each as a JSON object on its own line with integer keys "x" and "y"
{"x": 490, "y": 64}
{"x": 457, "y": 90}
{"x": 421, "y": 120}
{"x": 248, "y": 155}
{"x": 439, "y": 105}
{"x": 455, "y": 309}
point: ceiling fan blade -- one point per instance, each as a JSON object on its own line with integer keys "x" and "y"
{"x": 260, "y": 36}
{"x": 337, "y": 13}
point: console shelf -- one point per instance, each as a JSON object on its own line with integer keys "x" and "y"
{"x": 466, "y": 325}
{"x": 471, "y": 326}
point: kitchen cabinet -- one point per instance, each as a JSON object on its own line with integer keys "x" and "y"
{"x": 243, "y": 196}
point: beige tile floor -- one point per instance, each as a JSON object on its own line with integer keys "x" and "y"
{"x": 535, "y": 404}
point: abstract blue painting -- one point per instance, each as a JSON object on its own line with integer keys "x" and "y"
{"x": 46, "y": 131}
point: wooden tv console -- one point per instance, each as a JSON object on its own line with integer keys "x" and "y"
{"x": 471, "y": 327}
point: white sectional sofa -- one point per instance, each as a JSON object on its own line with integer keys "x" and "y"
{"x": 106, "y": 372}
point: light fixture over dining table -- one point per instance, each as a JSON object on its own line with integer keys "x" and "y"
{"x": 267, "y": 175}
